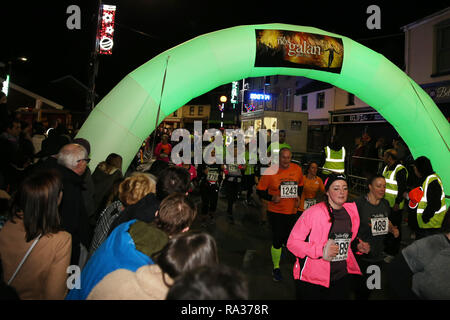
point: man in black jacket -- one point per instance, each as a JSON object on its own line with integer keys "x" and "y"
{"x": 72, "y": 163}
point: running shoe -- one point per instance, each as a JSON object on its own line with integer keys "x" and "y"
{"x": 276, "y": 274}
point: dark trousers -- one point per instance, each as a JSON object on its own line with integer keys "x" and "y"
{"x": 359, "y": 283}
{"x": 338, "y": 290}
{"x": 231, "y": 190}
{"x": 249, "y": 182}
{"x": 209, "y": 194}
{"x": 392, "y": 244}
{"x": 282, "y": 225}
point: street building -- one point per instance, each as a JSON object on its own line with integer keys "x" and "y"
{"x": 427, "y": 56}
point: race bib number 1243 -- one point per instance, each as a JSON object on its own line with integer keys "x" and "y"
{"x": 288, "y": 189}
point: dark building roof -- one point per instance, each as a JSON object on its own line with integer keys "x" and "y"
{"x": 70, "y": 92}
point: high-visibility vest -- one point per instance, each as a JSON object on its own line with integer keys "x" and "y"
{"x": 335, "y": 161}
{"x": 436, "y": 220}
{"x": 391, "y": 184}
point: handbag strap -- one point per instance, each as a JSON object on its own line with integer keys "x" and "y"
{"x": 23, "y": 260}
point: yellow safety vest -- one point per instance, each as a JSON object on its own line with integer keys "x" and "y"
{"x": 335, "y": 161}
{"x": 391, "y": 184}
{"x": 436, "y": 220}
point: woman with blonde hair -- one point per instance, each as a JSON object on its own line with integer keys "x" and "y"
{"x": 130, "y": 191}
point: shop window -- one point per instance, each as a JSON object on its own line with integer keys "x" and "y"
{"x": 296, "y": 125}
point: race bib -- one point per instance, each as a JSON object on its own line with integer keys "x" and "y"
{"x": 288, "y": 189}
{"x": 342, "y": 239}
{"x": 212, "y": 176}
{"x": 379, "y": 226}
{"x": 233, "y": 168}
{"x": 309, "y": 203}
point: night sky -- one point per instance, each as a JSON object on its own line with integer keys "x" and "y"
{"x": 145, "y": 28}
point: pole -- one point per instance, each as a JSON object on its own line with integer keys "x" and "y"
{"x": 159, "y": 106}
{"x": 93, "y": 64}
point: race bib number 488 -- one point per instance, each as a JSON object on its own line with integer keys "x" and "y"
{"x": 343, "y": 242}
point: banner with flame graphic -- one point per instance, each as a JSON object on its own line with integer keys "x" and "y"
{"x": 283, "y": 48}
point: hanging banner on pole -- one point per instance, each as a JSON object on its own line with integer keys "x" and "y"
{"x": 284, "y": 48}
{"x": 106, "y": 31}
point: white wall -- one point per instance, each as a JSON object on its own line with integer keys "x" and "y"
{"x": 420, "y": 41}
{"x": 313, "y": 112}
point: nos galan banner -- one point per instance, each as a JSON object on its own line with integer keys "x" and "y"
{"x": 282, "y": 48}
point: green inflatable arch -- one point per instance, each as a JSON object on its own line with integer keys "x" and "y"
{"x": 127, "y": 115}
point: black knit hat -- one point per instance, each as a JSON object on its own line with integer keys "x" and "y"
{"x": 332, "y": 178}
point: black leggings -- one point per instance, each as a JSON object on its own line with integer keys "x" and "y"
{"x": 209, "y": 194}
{"x": 232, "y": 189}
{"x": 338, "y": 290}
{"x": 282, "y": 225}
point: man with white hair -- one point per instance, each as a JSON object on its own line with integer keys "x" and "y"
{"x": 72, "y": 163}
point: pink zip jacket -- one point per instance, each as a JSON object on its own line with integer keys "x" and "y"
{"x": 315, "y": 222}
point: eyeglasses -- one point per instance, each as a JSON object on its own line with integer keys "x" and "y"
{"x": 87, "y": 160}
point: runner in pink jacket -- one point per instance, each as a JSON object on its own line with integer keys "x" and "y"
{"x": 319, "y": 252}
{"x": 315, "y": 222}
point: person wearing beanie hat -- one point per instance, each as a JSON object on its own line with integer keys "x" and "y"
{"x": 332, "y": 178}
{"x": 322, "y": 240}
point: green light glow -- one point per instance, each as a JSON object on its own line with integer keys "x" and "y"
{"x": 127, "y": 115}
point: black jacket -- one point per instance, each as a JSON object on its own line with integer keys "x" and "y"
{"x": 143, "y": 210}
{"x": 74, "y": 218}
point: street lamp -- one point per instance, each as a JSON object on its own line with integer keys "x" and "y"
{"x": 222, "y": 99}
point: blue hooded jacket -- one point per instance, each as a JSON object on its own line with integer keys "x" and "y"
{"x": 118, "y": 251}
